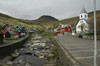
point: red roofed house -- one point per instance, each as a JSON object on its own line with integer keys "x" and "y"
{"x": 10, "y": 32}
{"x": 63, "y": 29}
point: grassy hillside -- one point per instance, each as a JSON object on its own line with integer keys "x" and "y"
{"x": 10, "y": 20}
{"x": 97, "y": 14}
{"x": 74, "y": 20}
{"x": 71, "y": 21}
{"x": 45, "y": 21}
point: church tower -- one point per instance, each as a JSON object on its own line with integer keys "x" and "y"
{"x": 82, "y": 26}
{"x": 83, "y": 15}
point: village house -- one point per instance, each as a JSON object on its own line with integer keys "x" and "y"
{"x": 32, "y": 30}
{"x": 50, "y": 30}
{"x": 83, "y": 26}
{"x": 22, "y": 30}
{"x": 11, "y": 32}
{"x": 63, "y": 28}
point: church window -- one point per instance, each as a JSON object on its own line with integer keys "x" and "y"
{"x": 85, "y": 16}
{"x": 81, "y": 16}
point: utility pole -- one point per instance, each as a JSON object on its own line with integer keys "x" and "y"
{"x": 95, "y": 36}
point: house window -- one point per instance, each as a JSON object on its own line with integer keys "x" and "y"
{"x": 85, "y": 16}
{"x": 81, "y": 16}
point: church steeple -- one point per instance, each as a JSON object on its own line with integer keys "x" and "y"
{"x": 83, "y": 10}
{"x": 83, "y": 14}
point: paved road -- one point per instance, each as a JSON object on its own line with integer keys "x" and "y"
{"x": 11, "y": 42}
{"x": 80, "y": 49}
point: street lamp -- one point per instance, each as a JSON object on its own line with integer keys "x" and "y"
{"x": 95, "y": 36}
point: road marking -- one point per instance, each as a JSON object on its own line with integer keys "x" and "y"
{"x": 86, "y": 57}
{"x": 82, "y": 51}
{"x": 69, "y": 48}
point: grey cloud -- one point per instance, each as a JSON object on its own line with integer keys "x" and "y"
{"x": 32, "y": 9}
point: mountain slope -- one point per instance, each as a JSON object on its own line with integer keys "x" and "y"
{"x": 44, "y": 19}
{"x": 74, "y": 20}
{"x": 47, "y": 17}
{"x": 10, "y": 20}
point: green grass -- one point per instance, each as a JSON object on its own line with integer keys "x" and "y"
{"x": 55, "y": 50}
{"x": 10, "y": 39}
{"x": 71, "y": 21}
{"x": 46, "y": 34}
{"x": 10, "y": 20}
{"x": 51, "y": 58}
{"x": 30, "y": 38}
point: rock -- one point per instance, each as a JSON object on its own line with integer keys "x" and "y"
{"x": 50, "y": 55}
{"x": 9, "y": 63}
{"x": 41, "y": 56}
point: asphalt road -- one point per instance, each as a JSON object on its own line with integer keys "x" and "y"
{"x": 80, "y": 49}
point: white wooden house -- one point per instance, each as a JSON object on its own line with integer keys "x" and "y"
{"x": 82, "y": 25}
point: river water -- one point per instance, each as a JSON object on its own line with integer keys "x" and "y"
{"x": 34, "y": 52}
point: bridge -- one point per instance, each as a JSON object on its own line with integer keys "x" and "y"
{"x": 74, "y": 51}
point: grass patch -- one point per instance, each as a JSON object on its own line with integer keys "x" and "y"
{"x": 55, "y": 52}
{"x": 30, "y": 38}
{"x": 10, "y": 39}
{"x": 51, "y": 58}
{"x": 47, "y": 34}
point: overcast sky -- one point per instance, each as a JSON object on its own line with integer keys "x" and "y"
{"x": 32, "y": 9}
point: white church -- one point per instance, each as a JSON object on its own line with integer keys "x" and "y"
{"x": 82, "y": 26}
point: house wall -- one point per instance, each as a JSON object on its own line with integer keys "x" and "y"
{"x": 7, "y": 35}
{"x": 14, "y": 36}
{"x": 80, "y": 23}
{"x": 22, "y": 34}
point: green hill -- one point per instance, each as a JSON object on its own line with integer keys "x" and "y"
{"x": 45, "y": 20}
{"x": 11, "y": 20}
{"x": 74, "y": 20}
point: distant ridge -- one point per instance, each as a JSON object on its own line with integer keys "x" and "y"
{"x": 48, "y": 18}
{"x": 45, "y": 19}
{"x": 11, "y": 20}
{"x": 74, "y": 20}
{"x": 6, "y": 16}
